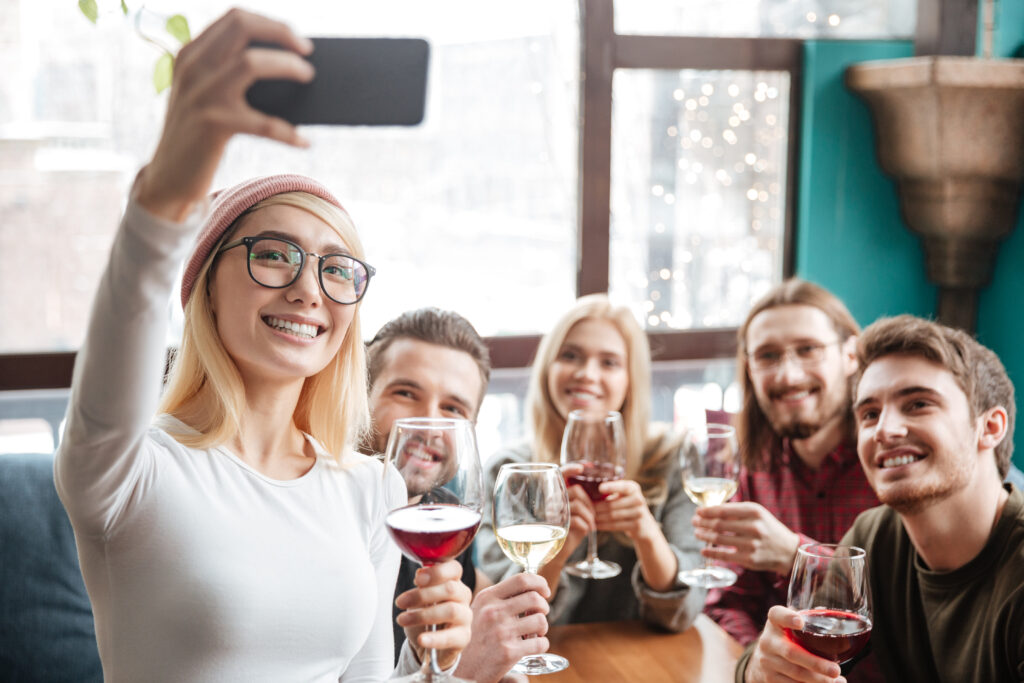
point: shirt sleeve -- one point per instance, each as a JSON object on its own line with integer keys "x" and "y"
{"x": 119, "y": 370}
{"x": 676, "y": 608}
{"x": 374, "y": 660}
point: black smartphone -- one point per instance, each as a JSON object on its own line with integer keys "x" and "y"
{"x": 358, "y": 82}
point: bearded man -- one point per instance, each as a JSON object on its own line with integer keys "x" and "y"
{"x": 935, "y": 413}
{"x": 801, "y": 481}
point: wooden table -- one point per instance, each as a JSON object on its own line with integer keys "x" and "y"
{"x": 628, "y": 651}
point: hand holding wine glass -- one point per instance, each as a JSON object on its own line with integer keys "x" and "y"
{"x": 710, "y": 466}
{"x": 593, "y": 452}
{"x": 531, "y": 520}
{"x": 438, "y": 461}
{"x": 829, "y": 590}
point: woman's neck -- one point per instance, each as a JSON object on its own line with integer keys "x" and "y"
{"x": 268, "y": 439}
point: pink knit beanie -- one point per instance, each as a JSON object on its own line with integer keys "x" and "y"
{"x": 227, "y": 205}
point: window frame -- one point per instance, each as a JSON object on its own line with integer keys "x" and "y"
{"x": 602, "y": 51}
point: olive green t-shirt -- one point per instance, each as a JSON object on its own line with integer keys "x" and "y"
{"x": 961, "y": 626}
{"x": 957, "y": 626}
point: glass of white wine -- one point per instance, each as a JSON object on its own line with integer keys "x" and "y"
{"x": 710, "y": 465}
{"x": 531, "y": 521}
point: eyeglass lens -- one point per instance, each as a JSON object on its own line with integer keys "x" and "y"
{"x": 276, "y": 263}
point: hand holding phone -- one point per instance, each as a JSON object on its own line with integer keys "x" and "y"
{"x": 358, "y": 82}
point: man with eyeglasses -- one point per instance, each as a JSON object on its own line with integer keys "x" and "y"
{"x": 801, "y": 480}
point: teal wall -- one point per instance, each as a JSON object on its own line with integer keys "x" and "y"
{"x": 850, "y": 236}
{"x": 1000, "y": 320}
{"x": 1008, "y": 40}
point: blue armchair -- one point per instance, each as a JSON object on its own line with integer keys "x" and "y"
{"x": 46, "y": 626}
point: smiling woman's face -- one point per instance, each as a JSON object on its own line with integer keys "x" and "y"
{"x": 267, "y": 331}
{"x": 591, "y": 370}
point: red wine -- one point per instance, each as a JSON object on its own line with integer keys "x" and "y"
{"x": 591, "y": 477}
{"x": 433, "y": 533}
{"x": 832, "y": 634}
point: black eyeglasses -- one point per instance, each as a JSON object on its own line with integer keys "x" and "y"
{"x": 277, "y": 263}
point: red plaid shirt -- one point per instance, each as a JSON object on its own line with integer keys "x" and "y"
{"x": 818, "y": 505}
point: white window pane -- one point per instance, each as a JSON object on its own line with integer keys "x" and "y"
{"x": 855, "y": 19}
{"x": 483, "y": 191}
{"x": 698, "y": 193}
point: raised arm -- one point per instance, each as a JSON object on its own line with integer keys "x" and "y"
{"x": 118, "y": 372}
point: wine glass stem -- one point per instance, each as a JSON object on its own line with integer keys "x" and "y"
{"x": 592, "y": 547}
{"x": 436, "y": 674}
{"x": 708, "y": 562}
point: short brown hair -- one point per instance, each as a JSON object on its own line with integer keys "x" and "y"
{"x": 433, "y": 326}
{"x": 976, "y": 369}
{"x": 753, "y": 430}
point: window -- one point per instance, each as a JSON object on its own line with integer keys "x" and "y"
{"x": 664, "y": 175}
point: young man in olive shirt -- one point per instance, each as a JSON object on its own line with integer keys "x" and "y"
{"x": 935, "y": 414}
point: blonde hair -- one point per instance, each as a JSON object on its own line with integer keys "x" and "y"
{"x": 548, "y": 424}
{"x": 205, "y": 390}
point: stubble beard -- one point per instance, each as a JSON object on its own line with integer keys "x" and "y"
{"x": 908, "y": 498}
{"x": 836, "y": 406}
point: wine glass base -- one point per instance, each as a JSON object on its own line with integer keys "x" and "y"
{"x": 537, "y": 665}
{"x": 598, "y": 569}
{"x": 708, "y": 577}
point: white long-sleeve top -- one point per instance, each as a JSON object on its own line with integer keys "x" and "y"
{"x": 199, "y": 568}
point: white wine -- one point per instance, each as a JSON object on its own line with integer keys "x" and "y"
{"x": 707, "y": 491}
{"x": 531, "y": 545}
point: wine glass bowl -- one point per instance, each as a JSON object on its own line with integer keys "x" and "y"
{"x": 829, "y": 589}
{"x": 593, "y": 452}
{"x": 531, "y": 521}
{"x": 710, "y": 467}
{"x": 440, "y": 465}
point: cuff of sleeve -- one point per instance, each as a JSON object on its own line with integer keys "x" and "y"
{"x": 744, "y": 660}
{"x": 674, "y": 609}
{"x": 409, "y": 664}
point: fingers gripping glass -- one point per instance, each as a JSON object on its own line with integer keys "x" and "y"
{"x": 830, "y": 590}
{"x": 595, "y": 445}
{"x": 277, "y": 263}
{"x": 440, "y": 465}
{"x": 710, "y": 465}
{"x": 530, "y": 509}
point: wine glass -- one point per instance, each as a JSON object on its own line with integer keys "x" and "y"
{"x": 829, "y": 588}
{"x": 531, "y": 521}
{"x": 595, "y": 444}
{"x": 439, "y": 462}
{"x": 710, "y": 465}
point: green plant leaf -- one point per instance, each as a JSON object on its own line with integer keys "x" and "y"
{"x": 89, "y": 9}
{"x": 163, "y": 74}
{"x": 124, "y": 7}
{"x": 177, "y": 26}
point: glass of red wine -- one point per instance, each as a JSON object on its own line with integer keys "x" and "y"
{"x": 710, "y": 466}
{"x": 829, "y": 588}
{"x": 593, "y": 451}
{"x": 531, "y": 521}
{"x": 439, "y": 463}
